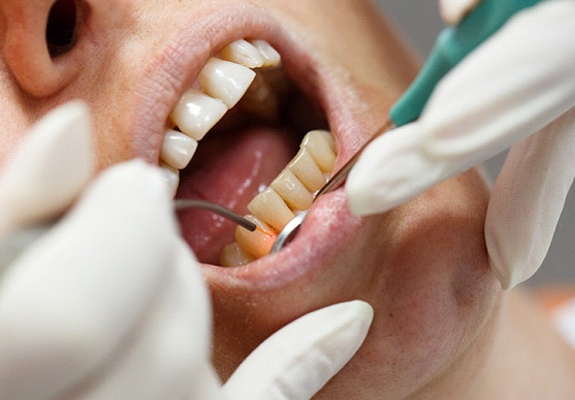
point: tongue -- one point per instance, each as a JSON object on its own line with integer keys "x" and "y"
{"x": 229, "y": 169}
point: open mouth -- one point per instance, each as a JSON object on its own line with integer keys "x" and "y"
{"x": 231, "y": 140}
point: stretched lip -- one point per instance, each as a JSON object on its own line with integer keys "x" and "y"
{"x": 329, "y": 225}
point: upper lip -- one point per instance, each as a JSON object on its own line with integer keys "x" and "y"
{"x": 176, "y": 67}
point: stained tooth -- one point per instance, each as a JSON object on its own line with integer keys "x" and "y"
{"x": 318, "y": 145}
{"x": 268, "y": 206}
{"x": 271, "y": 56}
{"x": 225, "y": 80}
{"x": 259, "y": 242}
{"x": 196, "y": 113}
{"x": 244, "y": 53}
{"x": 260, "y": 99}
{"x": 304, "y": 167}
{"x": 294, "y": 193}
{"x": 234, "y": 256}
{"x": 178, "y": 149}
{"x": 172, "y": 177}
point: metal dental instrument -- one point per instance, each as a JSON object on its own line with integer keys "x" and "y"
{"x": 452, "y": 45}
{"x": 18, "y": 241}
{"x": 185, "y": 204}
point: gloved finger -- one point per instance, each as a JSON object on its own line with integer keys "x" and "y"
{"x": 392, "y": 170}
{"x": 68, "y": 302}
{"x": 168, "y": 356}
{"x": 515, "y": 84}
{"x": 484, "y": 105}
{"x": 49, "y": 170}
{"x": 527, "y": 201}
{"x": 299, "y": 359}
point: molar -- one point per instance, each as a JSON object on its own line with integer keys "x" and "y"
{"x": 260, "y": 99}
{"x": 268, "y": 206}
{"x": 244, "y": 53}
{"x": 196, "y": 113}
{"x": 321, "y": 147}
{"x": 290, "y": 188}
{"x": 259, "y": 242}
{"x": 225, "y": 80}
{"x": 234, "y": 255}
{"x": 304, "y": 167}
{"x": 271, "y": 56}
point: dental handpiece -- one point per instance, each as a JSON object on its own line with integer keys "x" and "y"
{"x": 17, "y": 242}
{"x": 453, "y": 44}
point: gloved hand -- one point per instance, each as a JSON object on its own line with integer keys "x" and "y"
{"x": 109, "y": 303}
{"x": 518, "y": 87}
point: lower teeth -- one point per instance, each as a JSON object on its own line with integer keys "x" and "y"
{"x": 290, "y": 193}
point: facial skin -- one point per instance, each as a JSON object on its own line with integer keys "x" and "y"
{"x": 442, "y": 323}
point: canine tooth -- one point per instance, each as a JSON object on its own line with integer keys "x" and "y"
{"x": 304, "y": 167}
{"x": 268, "y": 206}
{"x": 196, "y": 113}
{"x": 178, "y": 149}
{"x": 244, "y": 53}
{"x": 318, "y": 145}
{"x": 225, "y": 80}
{"x": 172, "y": 177}
{"x": 234, "y": 256}
{"x": 294, "y": 193}
{"x": 271, "y": 56}
{"x": 259, "y": 242}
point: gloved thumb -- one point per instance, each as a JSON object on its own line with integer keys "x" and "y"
{"x": 298, "y": 360}
{"x": 392, "y": 170}
{"x": 49, "y": 170}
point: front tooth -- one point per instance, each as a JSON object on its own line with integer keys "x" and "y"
{"x": 171, "y": 176}
{"x": 290, "y": 188}
{"x": 319, "y": 144}
{"x": 244, "y": 53}
{"x": 268, "y": 206}
{"x": 271, "y": 56}
{"x": 233, "y": 255}
{"x": 196, "y": 113}
{"x": 225, "y": 80}
{"x": 259, "y": 242}
{"x": 178, "y": 149}
{"x": 304, "y": 167}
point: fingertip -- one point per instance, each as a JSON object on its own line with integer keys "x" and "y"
{"x": 51, "y": 167}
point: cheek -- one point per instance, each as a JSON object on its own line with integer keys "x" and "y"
{"x": 434, "y": 294}
{"x": 14, "y": 120}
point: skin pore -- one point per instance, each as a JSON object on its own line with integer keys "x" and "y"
{"x": 443, "y": 326}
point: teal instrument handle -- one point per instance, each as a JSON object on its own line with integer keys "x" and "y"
{"x": 451, "y": 46}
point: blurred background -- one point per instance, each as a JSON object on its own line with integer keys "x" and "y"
{"x": 420, "y": 23}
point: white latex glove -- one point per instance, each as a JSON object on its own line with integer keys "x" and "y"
{"x": 519, "y": 83}
{"x": 110, "y": 303}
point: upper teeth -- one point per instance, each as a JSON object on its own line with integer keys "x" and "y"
{"x": 222, "y": 83}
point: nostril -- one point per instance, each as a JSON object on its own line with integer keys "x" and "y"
{"x": 61, "y": 27}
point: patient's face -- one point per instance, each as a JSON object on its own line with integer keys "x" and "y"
{"x": 421, "y": 266}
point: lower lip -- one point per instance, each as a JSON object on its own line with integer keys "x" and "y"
{"x": 327, "y": 232}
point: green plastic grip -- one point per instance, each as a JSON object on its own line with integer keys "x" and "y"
{"x": 451, "y": 46}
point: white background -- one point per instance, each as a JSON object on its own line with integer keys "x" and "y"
{"x": 419, "y": 21}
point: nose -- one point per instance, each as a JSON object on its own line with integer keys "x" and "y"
{"x": 38, "y": 37}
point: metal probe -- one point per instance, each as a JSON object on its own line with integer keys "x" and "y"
{"x": 335, "y": 182}
{"x": 15, "y": 244}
